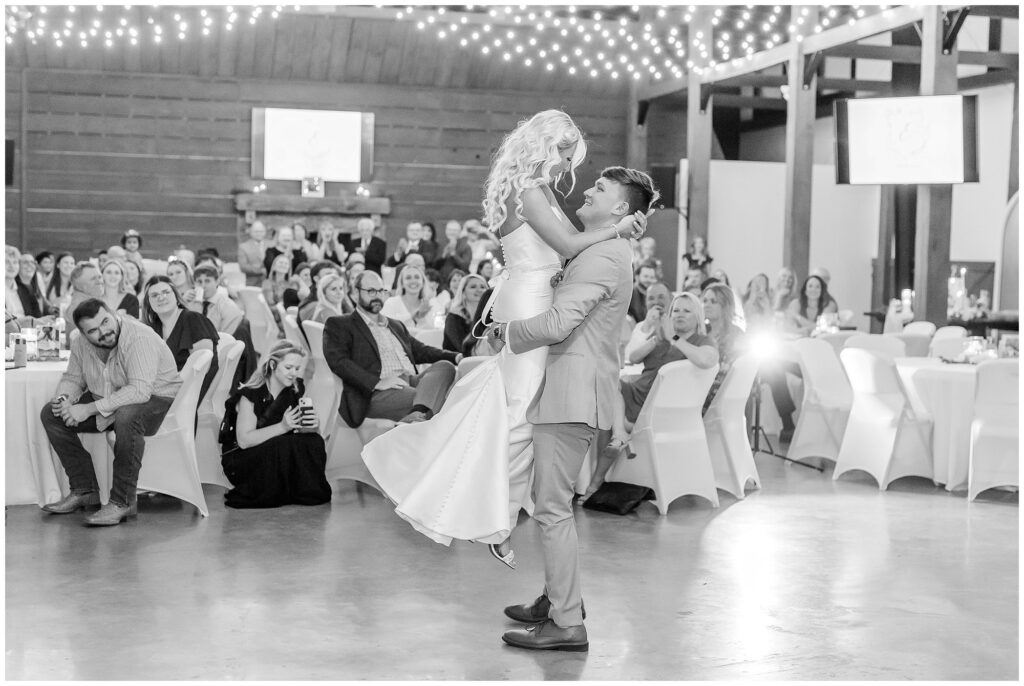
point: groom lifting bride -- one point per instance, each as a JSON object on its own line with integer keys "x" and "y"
{"x": 465, "y": 473}
{"x": 580, "y": 387}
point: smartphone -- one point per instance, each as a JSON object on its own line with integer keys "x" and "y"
{"x": 306, "y": 407}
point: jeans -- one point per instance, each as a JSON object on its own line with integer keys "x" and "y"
{"x": 132, "y": 423}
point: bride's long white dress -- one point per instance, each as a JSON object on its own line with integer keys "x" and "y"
{"x": 465, "y": 473}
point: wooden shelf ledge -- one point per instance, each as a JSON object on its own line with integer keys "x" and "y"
{"x": 295, "y": 204}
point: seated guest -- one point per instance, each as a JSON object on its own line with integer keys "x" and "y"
{"x": 120, "y": 378}
{"x": 117, "y": 293}
{"x": 457, "y": 253}
{"x": 410, "y": 304}
{"x": 278, "y": 281}
{"x": 430, "y": 239}
{"x": 86, "y": 283}
{"x": 251, "y": 253}
{"x": 657, "y": 301}
{"x": 679, "y": 334}
{"x": 59, "y": 289}
{"x": 697, "y": 257}
{"x": 413, "y": 260}
{"x": 17, "y": 311}
{"x": 333, "y": 300}
{"x": 183, "y": 330}
{"x": 134, "y": 277}
{"x": 692, "y": 281}
{"x": 284, "y": 245}
{"x": 645, "y": 251}
{"x": 28, "y": 287}
{"x": 355, "y": 267}
{"x": 329, "y": 245}
{"x": 435, "y": 293}
{"x": 302, "y": 242}
{"x": 813, "y": 300}
{"x": 101, "y": 258}
{"x": 273, "y": 457}
{"x": 721, "y": 313}
{"x": 375, "y": 357}
{"x": 316, "y": 273}
{"x": 645, "y": 274}
{"x": 45, "y": 264}
{"x": 373, "y": 249}
{"x": 460, "y": 319}
{"x": 131, "y": 242}
{"x": 412, "y": 242}
{"x": 486, "y": 270}
{"x": 180, "y": 275}
{"x": 215, "y": 304}
{"x": 302, "y": 282}
{"x": 757, "y": 304}
{"x": 783, "y": 290}
{"x": 452, "y": 285}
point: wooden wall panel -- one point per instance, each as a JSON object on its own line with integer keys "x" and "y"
{"x": 165, "y": 154}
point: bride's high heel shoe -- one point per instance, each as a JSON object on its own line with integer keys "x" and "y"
{"x": 509, "y": 559}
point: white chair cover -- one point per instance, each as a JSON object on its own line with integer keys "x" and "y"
{"x": 431, "y": 337}
{"x": 321, "y": 389}
{"x": 828, "y": 398}
{"x": 888, "y": 344}
{"x": 948, "y": 348}
{"x": 292, "y": 333}
{"x": 726, "y": 426}
{"x": 672, "y": 455}
{"x": 169, "y": 461}
{"x": 838, "y": 339}
{"x": 923, "y": 328}
{"x": 387, "y": 275}
{"x": 211, "y": 412}
{"x": 995, "y": 431}
{"x": 949, "y": 332}
{"x": 345, "y": 446}
{"x": 915, "y": 344}
{"x": 261, "y": 320}
{"x": 885, "y": 436}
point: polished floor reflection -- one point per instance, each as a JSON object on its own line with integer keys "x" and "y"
{"x": 806, "y": 579}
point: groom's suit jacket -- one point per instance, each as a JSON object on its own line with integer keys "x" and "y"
{"x": 582, "y": 328}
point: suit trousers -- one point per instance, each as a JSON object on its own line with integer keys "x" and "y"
{"x": 559, "y": 451}
{"x": 429, "y": 388}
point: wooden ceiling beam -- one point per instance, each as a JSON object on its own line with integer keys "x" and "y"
{"x": 992, "y": 78}
{"x": 999, "y": 11}
{"x": 747, "y": 101}
{"x": 389, "y": 13}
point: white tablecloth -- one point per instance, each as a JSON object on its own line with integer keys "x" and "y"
{"x": 946, "y": 391}
{"x": 32, "y": 471}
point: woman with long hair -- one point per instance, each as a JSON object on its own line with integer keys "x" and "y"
{"x": 459, "y": 321}
{"x": 180, "y": 275}
{"x": 134, "y": 276}
{"x": 697, "y": 256}
{"x": 328, "y": 247}
{"x": 722, "y": 315}
{"x": 272, "y": 453}
{"x": 757, "y": 303}
{"x": 183, "y": 330}
{"x": 35, "y": 303}
{"x": 484, "y": 417}
{"x": 782, "y": 291}
{"x": 681, "y": 335}
{"x": 117, "y": 292}
{"x": 59, "y": 288}
{"x": 812, "y": 301}
{"x": 279, "y": 279}
{"x": 332, "y": 299}
{"x": 411, "y": 303}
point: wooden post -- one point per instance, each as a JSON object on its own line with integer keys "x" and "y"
{"x": 22, "y": 180}
{"x": 636, "y": 133}
{"x": 698, "y": 142}
{"x": 934, "y": 201}
{"x": 800, "y": 115}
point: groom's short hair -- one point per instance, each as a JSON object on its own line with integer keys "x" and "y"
{"x": 639, "y": 187}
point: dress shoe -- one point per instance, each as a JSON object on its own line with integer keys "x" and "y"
{"x": 786, "y": 435}
{"x": 535, "y": 612}
{"x": 73, "y": 502}
{"x": 549, "y": 636}
{"x": 112, "y": 514}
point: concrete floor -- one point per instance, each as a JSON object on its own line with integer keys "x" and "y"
{"x": 808, "y": 579}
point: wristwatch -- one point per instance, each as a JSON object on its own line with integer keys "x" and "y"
{"x": 500, "y": 330}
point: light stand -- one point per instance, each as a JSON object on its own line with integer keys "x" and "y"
{"x": 757, "y": 430}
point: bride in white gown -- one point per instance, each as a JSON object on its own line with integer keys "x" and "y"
{"x": 466, "y": 472}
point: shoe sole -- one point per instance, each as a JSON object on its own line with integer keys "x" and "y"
{"x": 524, "y": 620}
{"x": 565, "y": 647}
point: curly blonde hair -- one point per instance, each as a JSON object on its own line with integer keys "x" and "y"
{"x": 526, "y": 159}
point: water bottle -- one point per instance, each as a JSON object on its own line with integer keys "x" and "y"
{"x": 20, "y": 351}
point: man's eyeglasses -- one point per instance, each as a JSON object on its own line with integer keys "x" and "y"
{"x": 374, "y": 291}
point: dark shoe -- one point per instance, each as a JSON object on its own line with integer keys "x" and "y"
{"x": 786, "y": 435}
{"x": 549, "y": 636}
{"x": 112, "y": 514}
{"x": 73, "y": 502}
{"x": 535, "y": 612}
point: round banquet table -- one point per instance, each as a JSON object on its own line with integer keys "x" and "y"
{"x": 946, "y": 391}
{"x": 32, "y": 471}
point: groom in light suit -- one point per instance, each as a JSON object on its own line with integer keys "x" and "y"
{"x": 581, "y": 382}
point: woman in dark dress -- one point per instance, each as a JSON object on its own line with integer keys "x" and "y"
{"x": 183, "y": 330}
{"x": 460, "y": 319}
{"x": 117, "y": 291}
{"x": 274, "y": 456}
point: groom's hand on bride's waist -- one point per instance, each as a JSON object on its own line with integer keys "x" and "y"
{"x": 496, "y": 333}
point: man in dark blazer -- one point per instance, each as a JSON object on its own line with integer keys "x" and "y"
{"x": 373, "y": 249}
{"x": 413, "y": 242}
{"x": 375, "y": 357}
